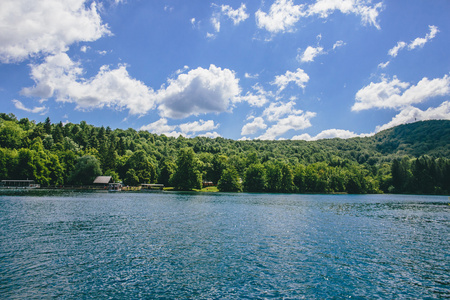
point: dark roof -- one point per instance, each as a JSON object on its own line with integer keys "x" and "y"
{"x": 102, "y": 179}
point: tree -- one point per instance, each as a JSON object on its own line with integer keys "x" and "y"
{"x": 219, "y": 163}
{"x": 144, "y": 169}
{"x": 273, "y": 175}
{"x": 230, "y": 181}
{"x": 255, "y": 178}
{"x": 167, "y": 170}
{"x": 86, "y": 169}
{"x": 287, "y": 179}
{"x": 131, "y": 178}
{"x": 186, "y": 176}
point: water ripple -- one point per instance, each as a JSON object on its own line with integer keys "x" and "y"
{"x": 222, "y": 246}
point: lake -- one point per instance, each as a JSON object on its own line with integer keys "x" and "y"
{"x": 163, "y": 245}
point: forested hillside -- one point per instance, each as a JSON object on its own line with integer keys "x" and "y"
{"x": 411, "y": 158}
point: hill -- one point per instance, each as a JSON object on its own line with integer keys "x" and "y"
{"x": 56, "y": 154}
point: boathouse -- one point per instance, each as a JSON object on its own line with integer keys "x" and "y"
{"x": 20, "y": 184}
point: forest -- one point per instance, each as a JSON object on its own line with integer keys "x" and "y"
{"x": 411, "y": 158}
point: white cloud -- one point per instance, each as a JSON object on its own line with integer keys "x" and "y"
{"x": 328, "y": 134}
{"x": 251, "y": 76}
{"x": 291, "y": 122}
{"x": 412, "y": 114}
{"x": 282, "y": 16}
{"x": 254, "y": 126}
{"x": 384, "y": 65}
{"x": 198, "y": 126}
{"x": 368, "y": 14}
{"x": 299, "y": 78}
{"x": 84, "y": 49}
{"x": 394, "y": 51}
{"x": 199, "y": 91}
{"x": 46, "y": 26}
{"x": 159, "y": 127}
{"x": 237, "y": 15}
{"x": 60, "y": 77}
{"x": 215, "y": 21}
{"x": 277, "y": 110}
{"x": 310, "y": 53}
{"x": 257, "y": 100}
{"x": 186, "y": 129}
{"x": 420, "y": 42}
{"x": 34, "y": 110}
{"x": 396, "y": 94}
{"x": 211, "y": 135}
{"x": 338, "y": 44}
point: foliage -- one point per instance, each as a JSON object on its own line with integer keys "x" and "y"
{"x": 86, "y": 169}
{"x": 412, "y": 158}
{"x": 186, "y": 176}
{"x": 230, "y": 181}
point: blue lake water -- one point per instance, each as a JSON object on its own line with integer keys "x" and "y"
{"x": 76, "y": 245}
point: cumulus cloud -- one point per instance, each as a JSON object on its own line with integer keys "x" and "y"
{"x": 258, "y": 99}
{"x": 299, "y": 78}
{"x": 159, "y": 127}
{"x": 198, "y": 126}
{"x": 368, "y": 14}
{"x": 237, "y": 15}
{"x": 34, "y": 110}
{"x": 254, "y": 126}
{"x": 282, "y": 16}
{"x": 58, "y": 76}
{"x": 186, "y": 129}
{"x": 396, "y": 94}
{"x": 199, "y": 91}
{"x": 46, "y": 26}
{"x": 328, "y": 134}
{"x": 412, "y": 114}
{"x": 277, "y": 110}
{"x": 310, "y": 53}
{"x": 291, "y": 122}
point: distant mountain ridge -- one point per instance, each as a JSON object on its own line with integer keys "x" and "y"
{"x": 415, "y": 139}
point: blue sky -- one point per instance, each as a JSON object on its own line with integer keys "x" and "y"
{"x": 284, "y": 69}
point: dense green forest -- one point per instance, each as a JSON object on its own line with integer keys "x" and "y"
{"x": 412, "y": 158}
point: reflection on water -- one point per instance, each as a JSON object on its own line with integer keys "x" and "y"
{"x": 184, "y": 245}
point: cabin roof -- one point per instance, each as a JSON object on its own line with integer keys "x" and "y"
{"x": 102, "y": 179}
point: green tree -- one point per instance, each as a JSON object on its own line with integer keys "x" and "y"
{"x": 274, "y": 176}
{"x": 167, "y": 170}
{"x": 86, "y": 169}
{"x": 230, "y": 181}
{"x": 287, "y": 179}
{"x": 186, "y": 176}
{"x": 11, "y": 135}
{"x": 145, "y": 170}
{"x": 131, "y": 178}
{"x": 255, "y": 178}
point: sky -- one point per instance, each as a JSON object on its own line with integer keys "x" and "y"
{"x": 260, "y": 69}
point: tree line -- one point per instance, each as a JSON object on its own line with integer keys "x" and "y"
{"x": 74, "y": 154}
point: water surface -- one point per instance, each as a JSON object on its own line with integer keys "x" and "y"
{"x": 75, "y": 245}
